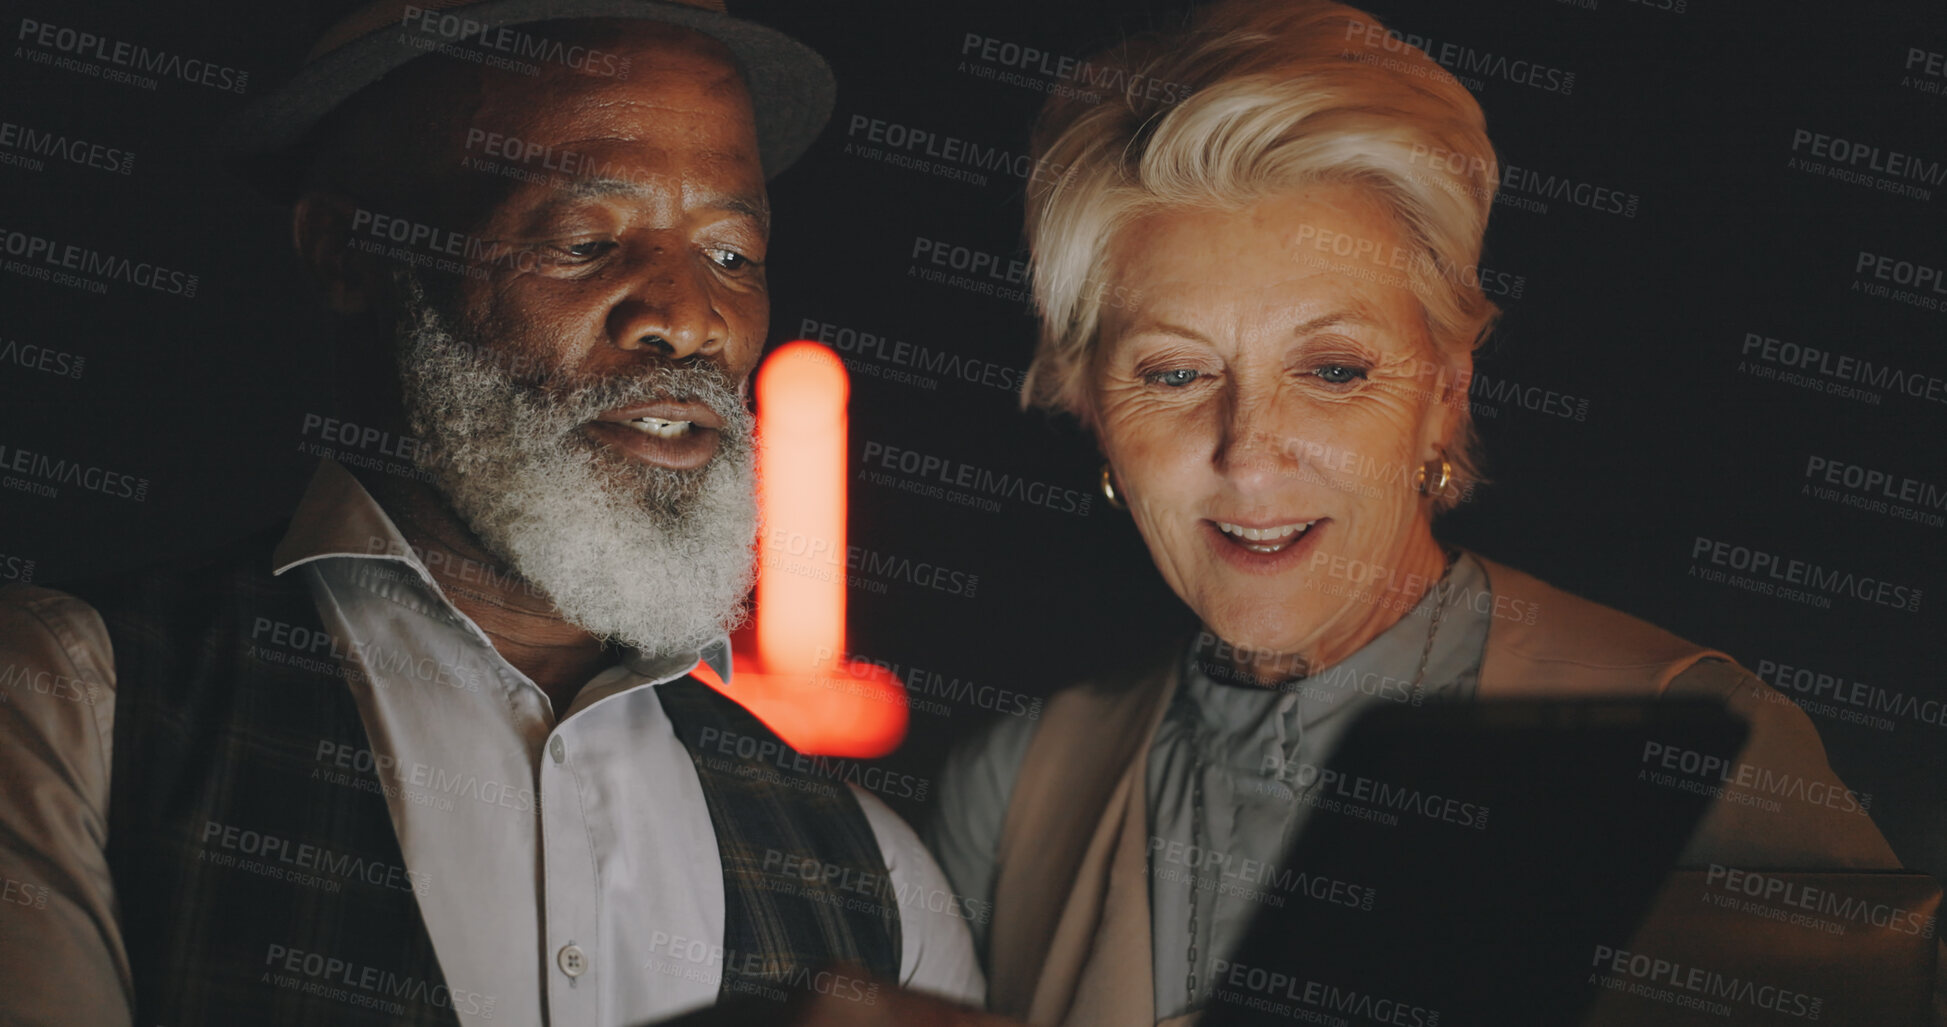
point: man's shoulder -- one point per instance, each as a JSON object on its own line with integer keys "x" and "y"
{"x": 147, "y": 618}
{"x": 29, "y": 612}
{"x": 54, "y": 645}
{"x": 937, "y": 953}
{"x": 899, "y": 844}
{"x": 87, "y": 629}
{"x": 19, "y": 598}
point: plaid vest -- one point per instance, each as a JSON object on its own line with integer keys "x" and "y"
{"x": 255, "y": 888}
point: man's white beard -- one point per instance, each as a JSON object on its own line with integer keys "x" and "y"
{"x": 648, "y": 557}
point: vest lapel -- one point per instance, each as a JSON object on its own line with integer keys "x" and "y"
{"x": 256, "y": 885}
{"x": 1116, "y": 983}
{"x": 777, "y": 814}
{"x": 1071, "y": 939}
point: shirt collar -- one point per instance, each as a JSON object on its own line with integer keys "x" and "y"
{"x": 338, "y": 518}
{"x": 1390, "y": 659}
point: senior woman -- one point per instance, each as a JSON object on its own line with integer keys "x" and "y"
{"x": 1257, "y": 290}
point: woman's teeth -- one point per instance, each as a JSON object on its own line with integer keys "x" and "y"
{"x": 1265, "y": 540}
{"x": 660, "y": 428}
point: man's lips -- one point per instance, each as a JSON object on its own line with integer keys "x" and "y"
{"x": 678, "y": 435}
{"x": 693, "y": 412}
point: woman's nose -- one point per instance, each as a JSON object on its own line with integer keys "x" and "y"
{"x": 1254, "y": 446}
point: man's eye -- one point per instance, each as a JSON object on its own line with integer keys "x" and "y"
{"x": 588, "y": 249}
{"x": 729, "y": 260}
{"x": 1175, "y": 378}
{"x": 1339, "y": 374}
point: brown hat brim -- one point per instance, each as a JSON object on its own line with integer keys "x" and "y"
{"x": 791, "y": 87}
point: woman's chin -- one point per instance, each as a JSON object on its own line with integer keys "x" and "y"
{"x": 1250, "y": 632}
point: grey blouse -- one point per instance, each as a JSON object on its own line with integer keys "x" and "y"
{"x": 1257, "y": 751}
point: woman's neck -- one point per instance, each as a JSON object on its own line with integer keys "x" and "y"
{"x": 1420, "y": 568}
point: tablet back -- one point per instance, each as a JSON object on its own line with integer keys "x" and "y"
{"x": 1501, "y": 843}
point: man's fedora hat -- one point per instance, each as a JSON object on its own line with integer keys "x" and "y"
{"x": 791, "y": 87}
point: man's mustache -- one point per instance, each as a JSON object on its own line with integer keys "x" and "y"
{"x": 544, "y": 386}
{"x": 707, "y": 383}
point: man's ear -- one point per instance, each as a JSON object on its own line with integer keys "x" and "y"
{"x": 321, "y": 231}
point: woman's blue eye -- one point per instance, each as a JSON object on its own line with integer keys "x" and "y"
{"x": 1339, "y": 374}
{"x": 1175, "y": 378}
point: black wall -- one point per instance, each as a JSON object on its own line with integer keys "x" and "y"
{"x": 1628, "y": 418}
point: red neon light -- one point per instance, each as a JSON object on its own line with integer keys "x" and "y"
{"x": 794, "y": 680}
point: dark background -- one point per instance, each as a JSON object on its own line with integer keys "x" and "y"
{"x": 1691, "y": 111}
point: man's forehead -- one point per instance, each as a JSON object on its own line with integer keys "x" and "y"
{"x": 644, "y": 187}
{"x": 659, "y": 188}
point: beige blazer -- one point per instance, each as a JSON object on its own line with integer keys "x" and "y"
{"x": 1070, "y": 939}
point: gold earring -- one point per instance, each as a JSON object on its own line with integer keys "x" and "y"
{"x": 1108, "y": 489}
{"x": 1425, "y": 472}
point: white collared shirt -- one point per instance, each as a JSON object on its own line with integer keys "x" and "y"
{"x": 570, "y": 869}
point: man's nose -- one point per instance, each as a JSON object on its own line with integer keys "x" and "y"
{"x": 669, "y": 309}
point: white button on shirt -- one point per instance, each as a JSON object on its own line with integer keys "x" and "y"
{"x": 579, "y": 888}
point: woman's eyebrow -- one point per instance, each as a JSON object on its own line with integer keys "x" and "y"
{"x": 1354, "y": 317}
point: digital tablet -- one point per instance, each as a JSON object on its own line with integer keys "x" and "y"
{"x": 1495, "y": 846}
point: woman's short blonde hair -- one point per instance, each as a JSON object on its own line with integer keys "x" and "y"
{"x": 1251, "y": 98}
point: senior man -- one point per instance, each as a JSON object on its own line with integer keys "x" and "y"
{"x": 431, "y": 753}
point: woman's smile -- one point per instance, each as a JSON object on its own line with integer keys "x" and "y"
{"x": 1275, "y": 550}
